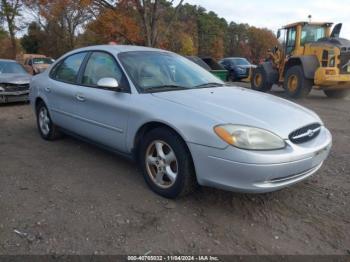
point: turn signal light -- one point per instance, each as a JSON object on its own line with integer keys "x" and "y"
{"x": 224, "y": 135}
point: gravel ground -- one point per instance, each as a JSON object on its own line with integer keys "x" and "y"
{"x": 69, "y": 197}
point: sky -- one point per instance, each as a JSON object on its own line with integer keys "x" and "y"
{"x": 273, "y": 14}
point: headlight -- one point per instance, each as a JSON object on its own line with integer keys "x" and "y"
{"x": 241, "y": 70}
{"x": 251, "y": 138}
{"x": 2, "y": 89}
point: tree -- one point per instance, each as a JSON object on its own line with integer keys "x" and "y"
{"x": 116, "y": 24}
{"x": 155, "y": 17}
{"x": 31, "y": 42}
{"x": 260, "y": 40}
{"x": 9, "y": 12}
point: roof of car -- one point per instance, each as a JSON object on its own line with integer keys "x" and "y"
{"x": 117, "y": 48}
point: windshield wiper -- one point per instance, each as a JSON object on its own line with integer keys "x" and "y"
{"x": 213, "y": 84}
{"x": 164, "y": 88}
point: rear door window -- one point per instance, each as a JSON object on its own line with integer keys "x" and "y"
{"x": 68, "y": 70}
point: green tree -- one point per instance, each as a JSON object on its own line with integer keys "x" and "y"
{"x": 32, "y": 40}
{"x": 10, "y": 10}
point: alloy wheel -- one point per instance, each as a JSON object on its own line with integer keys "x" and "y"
{"x": 161, "y": 164}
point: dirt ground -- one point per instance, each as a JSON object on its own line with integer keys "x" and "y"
{"x": 69, "y": 197}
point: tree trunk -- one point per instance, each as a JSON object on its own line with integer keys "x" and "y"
{"x": 13, "y": 43}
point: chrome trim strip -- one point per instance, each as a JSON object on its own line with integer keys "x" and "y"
{"x": 119, "y": 130}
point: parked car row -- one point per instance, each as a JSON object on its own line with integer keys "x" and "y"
{"x": 227, "y": 69}
{"x": 183, "y": 125}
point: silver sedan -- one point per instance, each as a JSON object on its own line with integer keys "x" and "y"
{"x": 180, "y": 123}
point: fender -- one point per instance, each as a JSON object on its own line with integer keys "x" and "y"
{"x": 308, "y": 63}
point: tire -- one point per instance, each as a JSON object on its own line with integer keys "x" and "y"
{"x": 259, "y": 81}
{"x": 338, "y": 94}
{"x": 295, "y": 83}
{"x": 150, "y": 162}
{"x": 47, "y": 129}
{"x": 232, "y": 76}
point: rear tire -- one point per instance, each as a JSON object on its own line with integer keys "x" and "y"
{"x": 338, "y": 94}
{"x": 259, "y": 81}
{"x": 295, "y": 83}
{"x": 47, "y": 129}
{"x": 177, "y": 175}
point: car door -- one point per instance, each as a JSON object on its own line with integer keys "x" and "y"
{"x": 103, "y": 113}
{"x": 61, "y": 91}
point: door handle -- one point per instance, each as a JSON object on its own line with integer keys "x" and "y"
{"x": 47, "y": 89}
{"x": 80, "y": 97}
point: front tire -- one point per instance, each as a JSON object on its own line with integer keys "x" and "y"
{"x": 259, "y": 81}
{"x": 295, "y": 83}
{"x": 166, "y": 163}
{"x": 47, "y": 129}
{"x": 338, "y": 94}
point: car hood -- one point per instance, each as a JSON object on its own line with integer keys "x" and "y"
{"x": 16, "y": 79}
{"x": 242, "y": 106}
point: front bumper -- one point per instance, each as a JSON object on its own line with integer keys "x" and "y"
{"x": 16, "y": 96}
{"x": 247, "y": 171}
{"x": 326, "y": 81}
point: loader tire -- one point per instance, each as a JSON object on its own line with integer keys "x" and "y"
{"x": 295, "y": 83}
{"x": 259, "y": 81}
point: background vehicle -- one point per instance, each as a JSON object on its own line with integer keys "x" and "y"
{"x": 211, "y": 65}
{"x": 182, "y": 124}
{"x": 310, "y": 56}
{"x": 238, "y": 67}
{"x": 36, "y": 64}
{"x": 14, "y": 82}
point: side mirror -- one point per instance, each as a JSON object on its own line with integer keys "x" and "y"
{"x": 278, "y": 33}
{"x": 109, "y": 83}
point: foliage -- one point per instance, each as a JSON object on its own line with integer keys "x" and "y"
{"x": 9, "y": 12}
{"x": 62, "y": 25}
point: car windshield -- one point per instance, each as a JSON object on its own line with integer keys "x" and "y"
{"x": 240, "y": 61}
{"x": 11, "y": 68}
{"x": 153, "y": 71}
{"x": 42, "y": 60}
{"x": 312, "y": 33}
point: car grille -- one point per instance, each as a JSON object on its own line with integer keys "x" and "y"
{"x": 305, "y": 133}
{"x": 16, "y": 88}
{"x": 344, "y": 62}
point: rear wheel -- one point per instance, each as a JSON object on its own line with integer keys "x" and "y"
{"x": 295, "y": 83}
{"x": 166, "y": 163}
{"x": 259, "y": 81}
{"x": 337, "y": 93}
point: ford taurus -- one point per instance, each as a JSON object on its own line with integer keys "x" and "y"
{"x": 183, "y": 125}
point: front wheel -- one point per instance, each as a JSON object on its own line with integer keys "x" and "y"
{"x": 166, "y": 163}
{"x": 259, "y": 80}
{"x": 47, "y": 129}
{"x": 337, "y": 93}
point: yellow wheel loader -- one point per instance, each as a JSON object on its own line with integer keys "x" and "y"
{"x": 311, "y": 56}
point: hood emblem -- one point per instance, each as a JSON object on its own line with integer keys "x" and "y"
{"x": 308, "y": 133}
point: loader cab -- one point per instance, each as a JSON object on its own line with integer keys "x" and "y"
{"x": 296, "y": 35}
